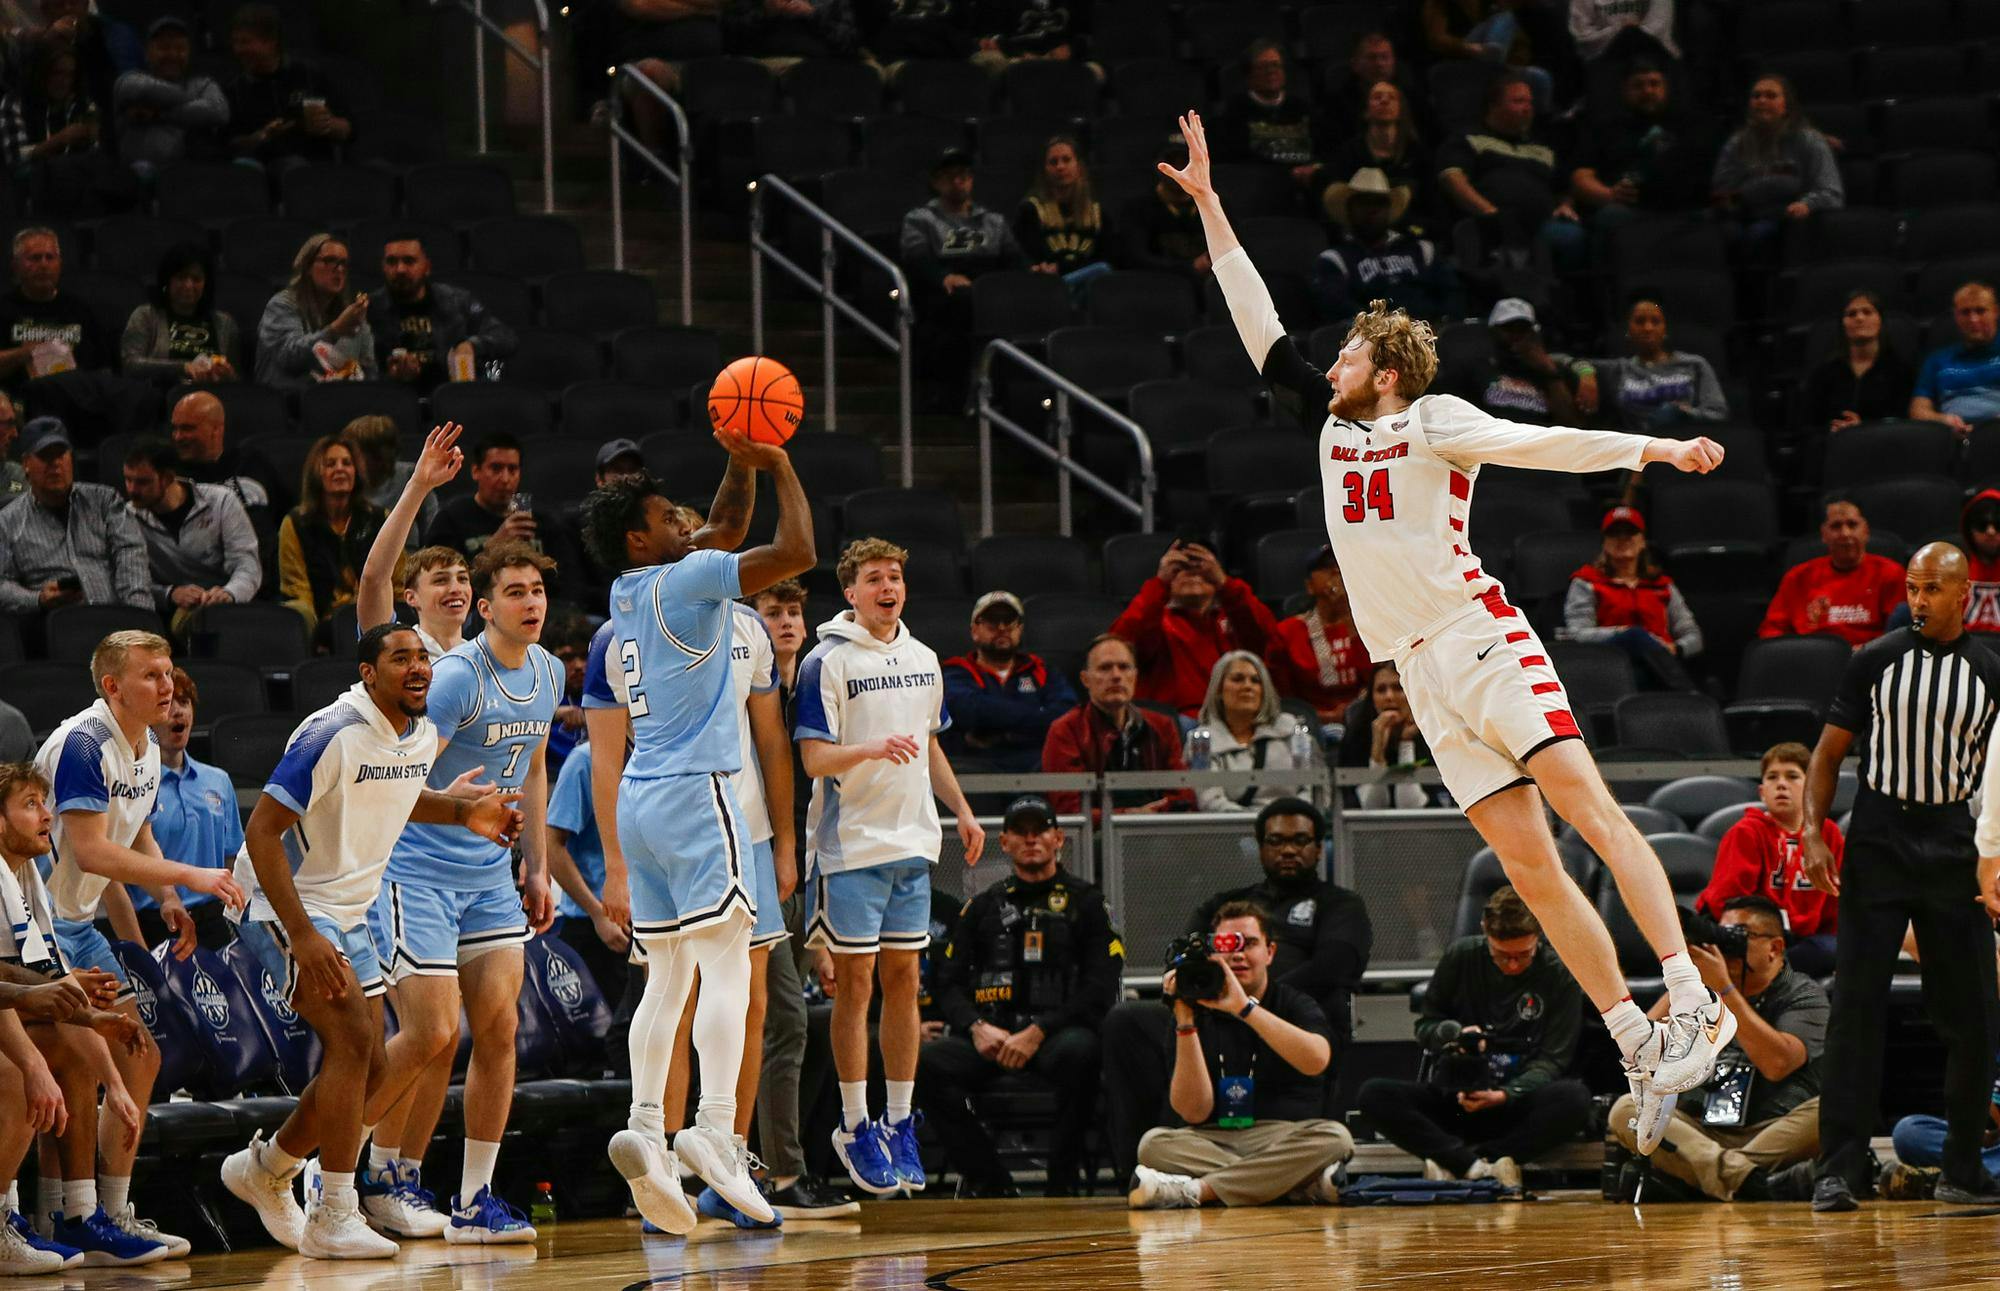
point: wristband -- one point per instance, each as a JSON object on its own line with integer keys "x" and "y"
{"x": 1728, "y": 989}
{"x": 1249, "y": 1008}
{"x": 1184, "y": 1030}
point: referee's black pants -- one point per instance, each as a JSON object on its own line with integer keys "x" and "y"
{"x": 1909, "y": 865}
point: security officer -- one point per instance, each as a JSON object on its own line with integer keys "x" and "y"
{"x": 1030, "y": 970}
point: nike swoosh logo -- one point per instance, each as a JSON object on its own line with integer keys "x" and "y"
{"x": 1481, "y": 656}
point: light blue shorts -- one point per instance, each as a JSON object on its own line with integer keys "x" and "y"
{"x": 769, "y": 929}
{"x": 83, "y": 946}
{"x": 266, "y": 940}
{"x": 687, "y": 853}
{"x": 425, "y": 931}
{"x": 860, "y": 912}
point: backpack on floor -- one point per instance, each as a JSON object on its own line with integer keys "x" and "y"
{"x": 1401, "y": 1190}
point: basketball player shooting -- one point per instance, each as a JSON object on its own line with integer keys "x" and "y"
{"x": 1398, "y": 467}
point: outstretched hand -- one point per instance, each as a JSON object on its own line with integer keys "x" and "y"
{"x": 1194, "y": 177}
{"x": 441, "y": 459}
{"x": 756, "y": 455}
{"x": 1699, "y": 456}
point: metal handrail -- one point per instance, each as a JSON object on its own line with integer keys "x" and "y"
{"x": 538, "y": 60}
{"x": 1066, "y": 466}
{"x": 832, "y": 230}
{"x": 682, "y": 179}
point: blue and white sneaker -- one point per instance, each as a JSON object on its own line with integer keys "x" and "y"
{"x": 904, "y": 1158}
{"x": 486, "y": 1221}
{"x": 103, "y": 1243}
{"x": 864, "y": 1150}
{"x": 712, "y": 1204}
{"x": 71, "y": 1257}
{"x": 127, "y": 1221}
{"x": 394, "y": 1202}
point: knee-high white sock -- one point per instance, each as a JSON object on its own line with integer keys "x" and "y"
{"x": 722, "y": 952}
{"x": 669, "y": 975}
{"x": 480, "y": 1157}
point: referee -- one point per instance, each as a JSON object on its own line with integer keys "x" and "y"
{"x": 1926, "y": 696}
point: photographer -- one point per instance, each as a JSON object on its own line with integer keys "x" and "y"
{"x": 1502, "y": 1015}
{"x": 1760, "y": 1111}
{"x": 1321, "y": 940}
{"x": 1250, "y": 1063}
{"x": 1024, "y": 981}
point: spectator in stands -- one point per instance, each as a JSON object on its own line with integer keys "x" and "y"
{"x": 1624, "y": 599}
{"x": 180, "y": 336}
{"x": 1494, "y": 31}
{"x": 1623, "y": 29}
{"x": 1979, "y": 532}
{"x": 199, "y": 426}
{"x": 1849, "y": 591}
{"x": 1184, "y": 618}
{"x": 1504, "y": 174}
{"x": 1244, "y": 1141}
{"x": 906, "y": 29}
{"x": 1656, "y": 388}
{"x": 1960, "y": 384}
{"x": 13, "y": 479}
{"x": 1001, "y": 698}
{"x": 324, "y": 540}
{"x": 1501, "y": 1018}
{"x": 1245, "y": 730}
{"x": 1160, "y": 229}
{"x": 378, "y": 442}
{"x": 1031, "y": 967}
{"x": 1265, "y": 122}
{"x": 1059, "y": 225}
{"x": 194, "y": 820}
{"x": 1317, "y": 656}
{"x": 1374, "y": 259}
{"x": 1865, "y": 378}
{"x": 592, "y": 581}
{"x": 67, "y": 543}
{"x": 428, "y": 332}
{"x": 1108, "y": 732}
{"x": 1350, "y": 88}
{"x": 945, "y": 244}
{"x": 102, "y": 47}
{"x": 779, "y": 33}
{"x": 1016, "y": 31}
{"x": 281, "y": 111}
{"x": 199, "y": 541}
{"x": 1776, "y": 168}
{"x": 49, "y": 131}
{"x": 1387, "y": 142}
{"x": 316, "y": 329}
{"x": 1756, "y": 1132}
{"x": 44, "y": 332}
{"x": 496, "y": 510}
{"x": 166, "y": 111}
{"x": 568, "y": 638}
{"x": 1761, "y": 856}
{"x": 1382, "y": 733}
{"x": 1523, "y": 381}
{"x": 1653, "y": 156}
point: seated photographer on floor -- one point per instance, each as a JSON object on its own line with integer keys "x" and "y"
{"x": 1735, "y": 1136}
{"x": 1500, "y": 1018}
{"x": 1251, "y": 1059}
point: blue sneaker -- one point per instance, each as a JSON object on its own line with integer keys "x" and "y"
{"x": 103, "y": 1243}
{"x": 904, "y": 1158}
{"x": 486, "y": 1221}
{"x": 710, "y": 1203}
{"x": 71, "y": 1256}
{"x": 864, "y": 1150}
{"x": 393, "y": 1202}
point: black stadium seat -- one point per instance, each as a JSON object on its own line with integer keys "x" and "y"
{"x": 264, "y": 247}
{"x": 226, "y": 689}
{"x": 1693, "y": 798}
{"x": 256, "y": 632}
{"x": 1544, "y": 561}
{"x": 484, "y": 406}
{"x": 598, "y": 302}
{"x": 943, "y": 88}
{"x": 1686, "y": 513}
{"x": 1782, "y": 689}
{"x": 1918, "y": 506}
{"x": 1018, "y": 305}
{"x": 1109, "y": 361}
{"x": 832, "y": 467}
{"x": 1484, "y": 875}
{"x": 1279, "y": 561}
{"x": 132, "y": 245}
{"x": 1050, "y": 87}
{"x": 1130, "y": 559}
{"x": 1689, "y": 724}
{"x": 666, "y": 355}
{"x": 552, "y": 361}
{"x": 1156, "y": 88}
{"x": 48, "y": 692}
{"x": 366, "y": 238}
{"x": 248, "y": 745}
{"x": 833, "y": 89}
{"x": 1061, "y": 624}
{"x": 318, "y": 682}
{"x": 507, "y": 299}
{"x": 327, "y": 408}
{"x": 329, "y": 193}
{"x": 1887, "y": 450}
{"x": 906, "y": 517}
{"x": 1025, "y": 564}
{"x": 74, "y": 630}
{"x": 1162, "y": 303}
{"x": 1596, "y": 677}
{"x": 458, "y": 192}
{"x": 211, "y": 192}
{"x": 601, "y": 410}
{"x": 526, "y": 246}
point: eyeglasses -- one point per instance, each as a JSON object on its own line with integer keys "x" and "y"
{"x": 1514, "y": 957}
{"x": 333, "y": 262}
{"x": 1291, "y": 840}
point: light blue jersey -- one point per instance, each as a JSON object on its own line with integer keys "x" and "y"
{"x": 672, "y": 624}
{"x": 494, "y": 719}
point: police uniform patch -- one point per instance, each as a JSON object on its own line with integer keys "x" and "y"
{"x": 1058, "y": 900}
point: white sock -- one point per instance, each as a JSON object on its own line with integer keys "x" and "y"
{"x": 79, "y": 1198}
{"x": 722, "y": 953}
{"x": 48, "y": 1197}
{"x": 380, "y": 1158}
{"x": 901, "y": 1092}
{"x": 14, "y": 1197}
{"x": 479, "y": 1159}
{"x": 853, "y": 1103}
{"x": 113, "y": 1190}
{"x": 336, "y": 1188}
{"x": 1628, "y": 1026}
{"x": 276, "y": 1159}
{"x": 669, "y": 977}
{"x": 1684, "y": 984}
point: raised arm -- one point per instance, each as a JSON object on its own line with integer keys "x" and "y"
{"x": 729, "y": 511}
{"x": 1464, "y": 435}
{"x": 790, "y": 551}
{"x": 375, "y": 598}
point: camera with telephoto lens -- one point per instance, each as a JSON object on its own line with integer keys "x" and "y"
{"x": 1197, "y": 977}
{"x": 1466, "y": 1060}
{"x": 1733, "y": 940}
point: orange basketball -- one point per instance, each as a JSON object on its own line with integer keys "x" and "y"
{"x": 758, "y": 397}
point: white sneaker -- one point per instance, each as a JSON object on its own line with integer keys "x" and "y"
{"x": 1435, "y": 1173}
{"x": 722, "y": 1162}
{"x": 1689, "y": 1043}
{"x": 1323, "y": 1189}
{"x": 18, "y": 1258}
{"x": 652, "y": 1172}
{"x": 336, "y": 1231}
{"x": 1157, "y": 1190}
{"x": 128, "y": 1221}
{"x": 265, "y": 1192}
{"x": 395, "y": 1206}
{"x": 1505, "y": 1169}
{"x": 1653, "y": 1110}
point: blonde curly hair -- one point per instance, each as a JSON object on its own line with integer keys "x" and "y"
{"x": 861, "y": 551}
{"x": 1403, "y": 345}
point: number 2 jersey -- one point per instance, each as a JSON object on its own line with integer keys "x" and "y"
{"x": 494, "y": 718}
{"x": 1398, "y": 490}
{"x": 669, "y": 658}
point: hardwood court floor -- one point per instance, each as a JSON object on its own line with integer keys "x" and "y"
{"x": 1098, "y": 1245}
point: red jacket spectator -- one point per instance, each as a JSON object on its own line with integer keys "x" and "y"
{"x": 1083, "y": 739}
{"x": 1758, "y": 858}
{"x": 1185, "y": 618}
{"x": 1847, "y": 591}
{"x": 1324, "y": 664}
{"x": 1979, "y": 525}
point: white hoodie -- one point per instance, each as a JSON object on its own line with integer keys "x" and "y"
{"x": 853, "y": 689}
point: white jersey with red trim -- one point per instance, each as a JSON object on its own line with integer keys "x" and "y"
{"x": 1398, "y": 490}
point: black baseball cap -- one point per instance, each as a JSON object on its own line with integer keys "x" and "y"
{"x": 1028, "y": 814}
{"x": 41, "y": 433}
{"x": 952, "y": 159}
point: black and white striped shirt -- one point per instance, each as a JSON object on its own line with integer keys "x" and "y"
{"x": 1926, "y": 710}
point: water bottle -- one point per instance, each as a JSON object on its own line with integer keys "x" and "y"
{"x": 542, "y": 1214}
{"x": 1199, "y": 741}
{"x": 1302, "y": 743}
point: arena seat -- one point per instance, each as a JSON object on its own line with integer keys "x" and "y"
{"x": 1050, "y": 87}
{"x": 1543, "y": 562}
{"x": 283, "y": 455}
{"x": 667, "y": 355}
{"x": 1842, "y": 233}
{"x": 316, "y": 683}
{"x": 1127, "y": 29}
{"x": 526, "y": 246}
{"x": 12, "y": 650}
{"x": 211, "y": 193}
{"x": 945, "y": 88}
{"x": 1251, "y": 189}
{"x": 1703, "y": 297}
{"x": 1783, "y": 687}
{"x": 1643, "y": 245}
{"x": 249, "y": 745}
{"x": 1058, "y": 623}
{"x": 132, "y": 245}
{"x": 1690, "y": 724}
{"x": 485, "y": 406}
{"x": 508, "y": 299}
{"x": 1156, "y": 89}
{"x": 458, "y": 192}
{"x": 1948, "y": 232}
{"x": 48, "y": 692}
{"x": 1483, "y": 877}
{"x": 907, "y": 145}
{"x": 676, "y": 457}
{"x": 1719, "y": 822}
{"x": 1692, "y": 799}
{"x": 832, "y": 466}
{"x": 73, "y": 631}
{"x": 594, "y": 410}
{"x": 1282, "y": 243}
{"x": 1037, "y": 563}
{"x": 1787, "y": 26}
{"x": 1817, "y": 75}
{"x": 226, "y": 689}
{"x": 326, "y": 408}
{"x": 1129, "y": 560}
{"x": 1214, "y": 353}
{"x": 1918, "y": 504}
{"x": 264, "y": 246}
{"x": 110, "y": 297}
{"x": 836, "y": 89}
{"x": 1109, "y": 361}
{"x": 598, "y": 302}
{"x": 1915, "y": 71}
{"x": 1688, "y": 860}
{"x": 1893, "y": 22}
{"x": 940, "y": 622}
{"x": 333, "y": 193}
{"x": 906, "y": 517}
{"x": 1718, "y": 511}
{"x": 1943, "y": 179}
{"x": 1161, "y": 303}
{"x": 1018, "y": 305}
{"x": 1862, "y": 455}
{"x": 1247, "y": 460}
{"x": 552, "y": 361}
{"x": 1279, "y": 560}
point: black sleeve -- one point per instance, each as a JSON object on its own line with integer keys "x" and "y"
{"x": 1294, "y": 379}
{"x": 951, "y": 986}
{"x": 1342, "y": 939}
{"x": 1849, "y": 709}
{"x": 1101, "y": 968}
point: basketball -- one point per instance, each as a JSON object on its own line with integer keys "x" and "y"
{"x": 758, "y": 397}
